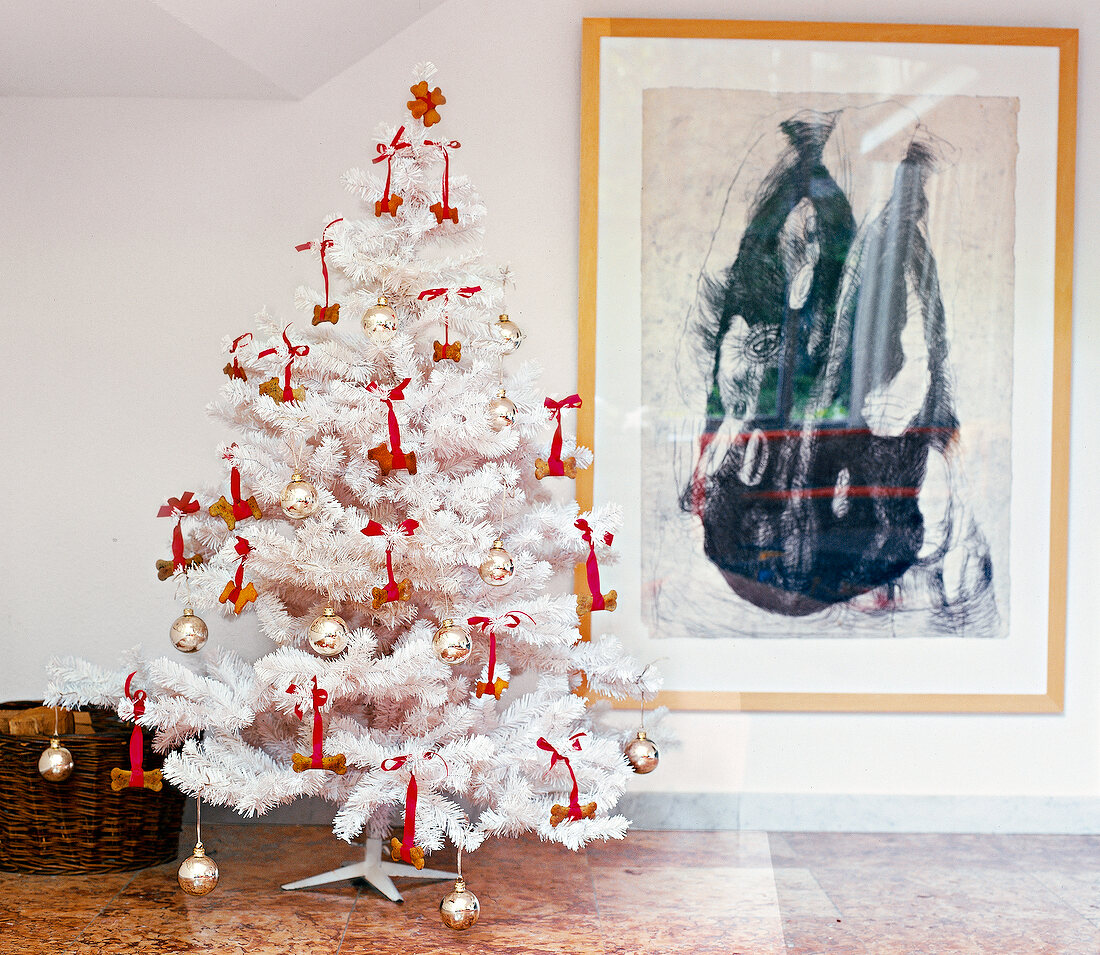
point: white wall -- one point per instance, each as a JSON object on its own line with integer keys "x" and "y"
{"x": 135, "y": 233}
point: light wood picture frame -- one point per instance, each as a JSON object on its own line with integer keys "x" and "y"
{"x": 705, "y": 251}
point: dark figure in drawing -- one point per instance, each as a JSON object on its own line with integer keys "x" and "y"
{"x": 830, "y": 389}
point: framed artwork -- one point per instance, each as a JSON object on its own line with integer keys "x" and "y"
{"x": 825, "y": 321}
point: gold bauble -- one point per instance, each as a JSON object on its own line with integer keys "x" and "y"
{"x": 502, "y": 411}
{"x": 641, "y": 753}
{"x": 328, "y": 634}
{"x": 56, "y": 763}
{"x": 460, "y": 908}
{"x": 380, "y": 322}
{"x": 299, "y": 498}
{"x": 198, "y": 873}
{"x": 189, "y": 632}
{"x": 452, "y": 642}
{"x": 509, "y": 333}
{"x": 497, "y": 568}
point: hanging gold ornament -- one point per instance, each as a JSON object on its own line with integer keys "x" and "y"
{"x": 380, "y": 322}
{"x": 189, "y": 633}
{"x": 460, "y": 908}
{"x": 299, "y": 498}
{"x": 497, "y": 568}
{"x": 198, "y": 873}
{"x": 452, "y": 642}
{"x": 328, "y": 634}
{"x": 509, "y": 333}
{"x": 56, "y": 763}
{"x": 502, "y": 411}
{"x": 641, "y": 753}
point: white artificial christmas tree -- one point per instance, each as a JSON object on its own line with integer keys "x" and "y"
{"x": 375, "y": 468}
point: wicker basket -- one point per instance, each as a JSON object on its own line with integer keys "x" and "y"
{"x": 81, "y": 825}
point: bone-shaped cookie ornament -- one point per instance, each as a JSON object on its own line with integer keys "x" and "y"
{"x": 585, "y": 602}
{"x": 334, "y": 764}
{"x": 568, "y": 468}
{"x": 444, "y": 350}
{"x": 326, "y": 313}
{"x": 415, "y": 853}
{"x": 122, "y": 778}
{"x": 380, "y": 596}
{"x": 559, "y": 813}
{"x": 497, "y": 687}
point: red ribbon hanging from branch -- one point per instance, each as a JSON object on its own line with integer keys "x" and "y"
{"x": 177, "y": 507}
{"x": 400, "y": 459}
{"x": 408, "y": 850}
{"x": 592, "y": 568}
{"x": 325, "y": 244}
{"x": 447, "y": 350}
{"x": 554, "y": 462}
{"x": 575, "y": 811}
{"x": 388, "y": 204}
{"x": 391, "y": 590}
{"x": 235, "y": 370}
{"x": 292, "y": 351}
{"x": 511, "y": 619}
{"x": 320, "y": 698}
{"x": 235, "y": 590}
{"x": 137, "y": 740}
{"x": 443, "y": 209}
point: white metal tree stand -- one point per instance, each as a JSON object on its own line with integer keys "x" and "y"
{"x": 374, "y": 870}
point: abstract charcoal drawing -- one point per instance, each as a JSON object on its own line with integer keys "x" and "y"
{"x": 826, "y": 486}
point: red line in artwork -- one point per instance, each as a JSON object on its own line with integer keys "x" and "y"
{"x": 874, "y": 490}
{"x": 743, "y": 436}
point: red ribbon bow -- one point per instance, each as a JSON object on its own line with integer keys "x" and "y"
{"x": 592, "y": 568}
{"x": 324, "y": 245}
{"x": 374, "y": 529}
{"x": 431, "y": 294}
{"x": 395, "y": 394}
{"x": 386, "y": 153}
{"x": 510, "y": 619}
{"x": 137, "y": 740}
{"x": 320, "y": 698}
{"x": 177, "y": 507}
{"x": 443, "y": 209}
{"x": 184, "y": 504}
{"x": 292, "y": 351}
{"x": 557, "y": 468}
{"x": 408, "y": 837}
{"x": 555, "y": 757}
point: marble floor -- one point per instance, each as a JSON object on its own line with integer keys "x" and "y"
{"x": 656, "y": 892}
